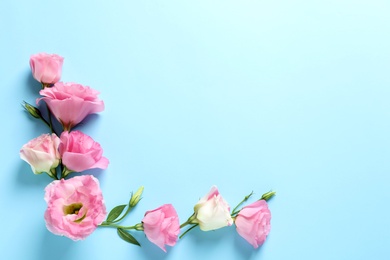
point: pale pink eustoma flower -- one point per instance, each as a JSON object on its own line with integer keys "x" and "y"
{"x": 79, "y": 152}
{"x": 42, "y": 153}
{"x": 46, "y": 68}
{"x": 161, "y": 226}
{"x": 70, "y": 103}
{"x": 254, "y": 223}
{"x": 212, "y": 211}
{"x": 75, "y": 207}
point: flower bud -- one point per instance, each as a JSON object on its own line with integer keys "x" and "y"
{"x": 33, "y": 111}
{"x": 46, "y": 68}
{"x": 254, "y": 222}
{"x": 136, "y": 197}
{"x": 267, "y": 196}
{"x": 161, "y": 226}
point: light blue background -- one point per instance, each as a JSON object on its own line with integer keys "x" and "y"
{"x": 248, "y": 95}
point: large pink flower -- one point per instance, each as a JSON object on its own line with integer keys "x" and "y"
{"x": 161, "y": 226}
{"x": 70, "y": 103}
{"x": 75, "y": 207}
{"x": 254, "y": 223}
{"x": 46, "y": 68}
{"x": 80, "y": 152}
{"x": 42, "y": 153}
{"x": 212, "y": 211}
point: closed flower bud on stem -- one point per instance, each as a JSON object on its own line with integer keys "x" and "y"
{"x": 36, "y": 113}
{"x": 33, "y": 111}
{"x": 46, "y": 68}
{"x": 136, "y": 197}
{"x": 267, "y": 196}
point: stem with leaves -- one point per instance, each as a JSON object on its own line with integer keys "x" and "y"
{"x": 116, "y": 216}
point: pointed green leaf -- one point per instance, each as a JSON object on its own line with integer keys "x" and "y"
{"x": 115, "y": 212}
{"x": 127, "y": 237}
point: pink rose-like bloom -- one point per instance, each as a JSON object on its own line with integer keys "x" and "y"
{"x": 46, "y": 68}
{"x": 212, "y": 211}
{"x": 42, "y": 153}
{"x": 161, "y": 226}
{"x": 70, "y": 103}
{"x": 75, "y": 207}
{"x": 254, "y": 223}
{"x": 80, "y": 152}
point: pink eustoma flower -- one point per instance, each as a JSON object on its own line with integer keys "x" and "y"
{"x": 46, "y": 68}
{"x": 212, "y": 211}
{"x": 70, "y": 103}
{"x": 253, "y": 223}
{"x": 42, "y": 153}
{"x": 75, "y": 207}
{"x": 80, "y": 152}
{"x": 161, "y": 226}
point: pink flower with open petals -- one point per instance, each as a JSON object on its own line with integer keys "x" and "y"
{"x": 212, "y": 211}
{"x": 46, "y": 68}
{"x": 80, "y": 152}
{"x": 161, "y": 226}
{"x": 70, "y": 103}
{"x": 75, "y": 207}
{"x": 254, "y": 223}
{"x": 42, "y": 153}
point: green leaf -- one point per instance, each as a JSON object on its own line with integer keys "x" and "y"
{"x": 127, "y": 237}
{"x": 115, "y": 212}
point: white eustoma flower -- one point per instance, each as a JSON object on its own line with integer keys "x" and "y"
{"x": 42, "y": 153}
{"x": 212, "y": 211}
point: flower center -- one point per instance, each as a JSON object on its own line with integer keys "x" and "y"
{"x": 72, "y": 208}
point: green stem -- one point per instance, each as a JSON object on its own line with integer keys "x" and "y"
{"x": 190, "y": 220}
{"x": 184, "y": 224}
{"x": 34, "y": 112}
{"x": 235, "y": 211}
{"x": 188, "y": 230}
{"x": 138, "y": 227}
{"x": 44, "y": 120}
{"x": 105, "y": 224}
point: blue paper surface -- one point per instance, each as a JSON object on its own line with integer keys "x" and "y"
{"x": 291, "y": 96}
